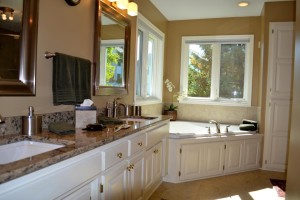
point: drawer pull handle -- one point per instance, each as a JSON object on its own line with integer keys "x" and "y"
{"x": 130, "y": 167}
{"x": 120, "y": 155}
{"x": 140, "y": 144}
{"x": 156, "y": 151}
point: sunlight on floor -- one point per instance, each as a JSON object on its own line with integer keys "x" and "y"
{"x": 263, "y": 194}
{"x": 235, "y": 197}
{"x": 267, "y": 193}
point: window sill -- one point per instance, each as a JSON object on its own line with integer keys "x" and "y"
{"x": 240, "y": 103}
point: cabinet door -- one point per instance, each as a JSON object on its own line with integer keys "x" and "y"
{"x": 191, "y": 160}
{"x": 136, "y": 177}
{"x": 153, "y": 168}
{"x": 213, "y": 159}
{"x": 87, "y": 192}
{"x": 114, "y": 182}
{"x": 233, "y": 156}
{"x": 251, "y": 154}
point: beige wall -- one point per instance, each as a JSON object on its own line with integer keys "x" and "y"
{"x": 272, "y": 12}
{"x": 69, "y": 30}
{"x": 293, "y": 178}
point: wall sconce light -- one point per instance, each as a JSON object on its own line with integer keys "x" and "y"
{"x": 7, "y": 11}
{"x": 132, "y": 7}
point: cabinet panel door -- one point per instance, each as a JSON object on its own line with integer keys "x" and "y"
{"x": 87, "y": 192}
{"x": 233, "y": 156}
{"x": 191, "y": 159}
{"x": 213, "y": 158}
{"x": 251, "y": 154}
{"x": 157, "y": 162}
{"x": 136, "y": 177}
{"x": 153, "y": 168}
{"x": 114, "y": 182}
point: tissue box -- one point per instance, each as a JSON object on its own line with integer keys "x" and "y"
{"x": 85, "y": 115}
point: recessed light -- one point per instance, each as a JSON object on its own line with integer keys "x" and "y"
{"x": 243, "y": 4}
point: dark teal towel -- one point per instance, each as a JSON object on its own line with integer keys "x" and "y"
{"x": 71, "y": 81}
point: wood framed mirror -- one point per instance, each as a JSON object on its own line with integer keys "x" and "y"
{"x": 18, "y": 44}
{"x": 111, "y": 51}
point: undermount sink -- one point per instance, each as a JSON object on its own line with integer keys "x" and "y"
{"x": 138, "y": 118}
{"x": 24, "y": 149}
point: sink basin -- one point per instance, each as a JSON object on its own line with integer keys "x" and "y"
{"x": 138, "y": 118}
{"x": 24, "y": 149}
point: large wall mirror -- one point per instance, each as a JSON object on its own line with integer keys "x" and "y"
{"x": 18, "y": 43}
{"x": 111, "y": 51}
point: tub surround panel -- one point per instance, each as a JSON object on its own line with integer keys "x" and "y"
{"x": 223, "y": 114}
{"x": 75, "y": 144}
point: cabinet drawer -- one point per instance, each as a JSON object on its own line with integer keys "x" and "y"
{"x": 155, "y": 135}
{"x": 135, "y": 144}
{"x": 114, "y": 155}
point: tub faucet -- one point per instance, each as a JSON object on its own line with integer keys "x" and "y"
{"x": 217, "y": 125}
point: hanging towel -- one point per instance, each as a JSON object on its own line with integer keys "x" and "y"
{"x": 71, "y": 81}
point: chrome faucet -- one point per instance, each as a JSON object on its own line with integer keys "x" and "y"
{"x": 2, "y": 120}
{"x": 116, "y": 105}
{"x": 217, "y": 125}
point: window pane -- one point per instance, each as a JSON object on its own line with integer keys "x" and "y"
{"x": 232, "y": 71}
{"x": 114, "y": 66}
{"x": 199, "y": 70}
{"x": 138, "y": 72}
{"x": 150, "y": 66}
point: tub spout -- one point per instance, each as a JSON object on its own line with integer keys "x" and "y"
{"x": 217, "y": 125}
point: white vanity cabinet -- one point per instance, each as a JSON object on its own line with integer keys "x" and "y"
{"x": 76, "y": 176}
{"x": 115, "y": 171}
{"x": 139, "y": 173}
{"x": 192, "y": 159}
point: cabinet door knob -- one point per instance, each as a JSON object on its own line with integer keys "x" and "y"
{"x": 140, "y": 144}
{"x": 156, "y": 151}
{"x": 130, "y": 167}
{"x": 120, "y": 155}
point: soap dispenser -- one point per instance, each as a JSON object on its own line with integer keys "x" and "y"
{"x": 31, "y": 124}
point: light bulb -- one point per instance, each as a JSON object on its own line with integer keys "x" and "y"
{"x": 11, "y": 17}
{"x": 4, "y": 16}
{"x": 122, "y": 4}
{"x": 132, "y": 9}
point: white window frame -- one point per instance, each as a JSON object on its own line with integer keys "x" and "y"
{"x": 149, "y": 29}
{"x": 213, "y": 99}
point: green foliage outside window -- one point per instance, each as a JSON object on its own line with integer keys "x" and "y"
{"x": 113, "y": 58}
{"x": 232, "y": 68}
{"x": 199, "y": 73}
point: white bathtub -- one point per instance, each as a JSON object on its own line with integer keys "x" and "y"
{"x": 188, "y": 129}
{"x": 195, "y": 154}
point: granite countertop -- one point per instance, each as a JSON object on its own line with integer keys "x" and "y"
{"x": 75, "y": 144}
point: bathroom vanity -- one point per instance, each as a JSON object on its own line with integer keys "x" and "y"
{"x": 128, "y": 164}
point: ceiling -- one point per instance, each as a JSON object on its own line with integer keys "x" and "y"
{"x": 205, "y": 9}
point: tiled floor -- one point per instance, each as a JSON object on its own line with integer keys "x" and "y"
{"x": 253, "y": 185}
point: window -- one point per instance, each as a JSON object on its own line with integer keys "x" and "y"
{"x": 217, "y": 69}
{"x": 149, "y": 65}
{"x": 112, "y": 63}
